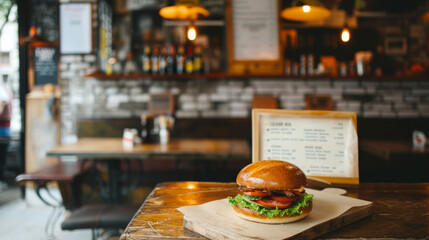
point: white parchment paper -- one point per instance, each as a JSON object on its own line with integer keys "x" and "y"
{"x": 219, "y": 215}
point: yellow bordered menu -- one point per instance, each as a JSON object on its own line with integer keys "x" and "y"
{"x": 324, "y": 144}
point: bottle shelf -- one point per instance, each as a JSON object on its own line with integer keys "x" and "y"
{"x": 215, "y": 76}
{"x": 157, "y": 76}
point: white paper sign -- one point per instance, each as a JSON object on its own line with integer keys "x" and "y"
{"x": 320, "y": 146}
{"x": 255, "y": 30}
{"x": 324, "y": 144}
{"x": 75, "y": 28}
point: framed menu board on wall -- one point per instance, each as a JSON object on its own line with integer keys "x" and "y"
{"x": 253, "y": 37}
{"x": 76, "y": 28}
{"x": 44, "y": 15}
{"x": 324, "y": 144}
{"x": 43, "y": 64}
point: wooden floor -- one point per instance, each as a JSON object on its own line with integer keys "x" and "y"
{"x": 25, "y": 219}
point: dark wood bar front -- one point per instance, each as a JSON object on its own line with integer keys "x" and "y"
{"x": 400, "y": 211}
{"x": 391, "y": 150}
{"x": 394, "y": 160}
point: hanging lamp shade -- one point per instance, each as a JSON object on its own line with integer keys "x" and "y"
{"x": 184, "y": 10}
{"x": 305, "y": 11}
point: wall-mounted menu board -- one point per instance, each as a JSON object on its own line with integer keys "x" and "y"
{"x": 215, "y": 7}
{"x": 45, "y": 17}
{"x": 253, "y": 34}
{"x": 323, "y": 144}
{"x": 76, "y": 28}
{"x": 43, "y": 65}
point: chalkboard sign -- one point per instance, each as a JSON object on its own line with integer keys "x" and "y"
{"x": 45, "y": 65}
{"x": 45, "y": 17}
{"x": 43, "y": 68}
{"x": 215, "y": 7}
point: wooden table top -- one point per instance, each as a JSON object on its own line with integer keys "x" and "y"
{"x": 386, "y": 149}
{"x": 400, "y": 211}
{"x": 106, "y": 148}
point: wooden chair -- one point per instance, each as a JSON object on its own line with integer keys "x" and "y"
{"x": 93, "y": 216}
{"x": 65, "y": 174}
{"x": 109, "y": 214}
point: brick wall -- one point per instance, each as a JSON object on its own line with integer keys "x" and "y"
{"x": 230, "y": 98}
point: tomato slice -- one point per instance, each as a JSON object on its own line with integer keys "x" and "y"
{"x": 273, "y": 203}
{"x": 257, "y": 193}
{"x": 283, "y": 198}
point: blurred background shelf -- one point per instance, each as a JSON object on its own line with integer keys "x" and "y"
{"x": 215, "y": 76}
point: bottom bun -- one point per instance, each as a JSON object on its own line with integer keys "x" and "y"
{"x": 251, "y": 215}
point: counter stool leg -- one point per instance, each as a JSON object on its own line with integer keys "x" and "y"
{"x": 56, "y": 209}
{"x": 52, "y": 221}
{"x": 94, "y": 234}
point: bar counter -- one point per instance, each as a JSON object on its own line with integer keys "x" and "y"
{"x": 400, "y": 211}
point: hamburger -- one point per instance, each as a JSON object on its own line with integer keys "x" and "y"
{"x": 272, "y": 192}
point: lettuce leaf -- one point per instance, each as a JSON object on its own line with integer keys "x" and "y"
{"x": 304, "y": 201}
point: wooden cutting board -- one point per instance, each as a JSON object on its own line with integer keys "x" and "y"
{"x": 212, "y": 231}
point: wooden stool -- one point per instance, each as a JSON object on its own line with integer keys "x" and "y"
{"x": 64, "y": 174}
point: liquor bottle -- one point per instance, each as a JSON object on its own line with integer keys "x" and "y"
{"x": 146, "y": 66}
{"x": 113, "y": 65}
{"x": 129, "y": 66}
{"x": 109, "y": 66}
{"x": 198, "y": 61}
{"x": 310, "y": 56}
{"x": 170, "y": 59}
{"x": 163, "y": 60}
{"x": 189, "y": 61}
{"x": 155, "y": 59}
{"x": 303, "y": 64}
{"x": 180, "y": 59}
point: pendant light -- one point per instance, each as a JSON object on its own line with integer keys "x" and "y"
{"x": 184, "y": 10}
{"x": 349, "y": 21}
{"x": 305, "y": 11}
{"x": 345, "y": 35}
{"x": 192, "y": 33}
